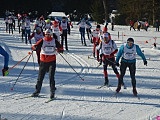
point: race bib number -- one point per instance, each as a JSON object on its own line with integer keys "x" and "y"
{"x": 129, "y": 55}
{"x": 107, "y": 50}
{"x": 49, "y": 49}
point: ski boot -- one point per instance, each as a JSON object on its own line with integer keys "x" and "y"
{"x": 118, "y": 88}
{"x": 134, "y": 91}
{"x": 106, "y": 81}
{"x": 52, "y": 95}
{"x": 35, "y": 94}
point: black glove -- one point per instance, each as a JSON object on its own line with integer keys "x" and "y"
{"x": 145, "y": 63}
{"x": 117, "y": 64}
{"x": 5, "y": 71}
{"x": 68, "y": 33}
{"x": 60, "y": 51}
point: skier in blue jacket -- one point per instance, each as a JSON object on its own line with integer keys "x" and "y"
{"x": 6, "y": 60}
{"x": 127, "y": 53}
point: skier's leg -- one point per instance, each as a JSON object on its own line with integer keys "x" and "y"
{"x": 105, "y": 65}
{"x": 132, "y": 69}
{"x": 66, "y": 44}
{"x": 41, "y": 74}
{"x": 52, "y": 68}
{"x": 123, "y": 68}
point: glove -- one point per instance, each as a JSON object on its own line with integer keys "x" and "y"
{"x": 5, "y": 71}
{"x": 117, "y": 64}
{"x": 68, "y": 33}
{"x": 33, "y": 48}
{"x": 112, "y": 54}
{"x": 60, "y": 51}
{"x": 145, "y": 63}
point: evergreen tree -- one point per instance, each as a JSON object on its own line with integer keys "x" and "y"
{"x": 98, "y": 11}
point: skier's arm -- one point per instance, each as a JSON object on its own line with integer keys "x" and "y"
{"x": 139, "y": 52}
{"x": 115, "y": 48}
{"x": 68, "y": 28}
{"x": 78, "y": 23}
{"x": 119, "y": 54}
{"x": 31, "y": 36}
{"x": 6, "y": 57}
{"x": 59, "y": 47}
{"x": 38, "y": 45}
{"x": 99, "y": 46}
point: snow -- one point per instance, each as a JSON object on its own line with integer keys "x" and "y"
{"x": 77, "y": 99}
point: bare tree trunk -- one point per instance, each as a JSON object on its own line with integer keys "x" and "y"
{"x": 153, "y": 11}
{"x": 105, "y": 9}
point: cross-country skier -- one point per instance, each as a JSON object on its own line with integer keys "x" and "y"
{"x": 65, "y": 29}
{"x": 49, "y": 47}
{"x": 82, "y": 25}
{"x": 10, "y": 24}
{"x": 96, "y": 40}
{"x": 56, "y": 29}
{"x": 127, "y": 53}
{"x": 88, "y": 30}
{"x": 47, "y": 24}
{"x": 37, "y": 36}
{"x": 27, "y": 29}
{"x": 108, "y": 49}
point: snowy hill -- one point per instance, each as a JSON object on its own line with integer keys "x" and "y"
{"x": 77, "y": 99}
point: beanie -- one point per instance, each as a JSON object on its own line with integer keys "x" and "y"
{"x": 130, "y": 40}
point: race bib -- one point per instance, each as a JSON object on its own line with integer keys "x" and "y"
{"x": 129, "y": 56}
{"x": 49, "y": 49}
{"x": 107, "y": 50}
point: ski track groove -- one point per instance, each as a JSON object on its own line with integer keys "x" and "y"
{"x": 63, "y": 113}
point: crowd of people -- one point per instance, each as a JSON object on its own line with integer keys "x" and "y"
{"x": 144, "y": 25}
{"x": 49, "y": 37}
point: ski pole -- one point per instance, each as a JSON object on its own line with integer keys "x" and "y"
{"x": 20, "y": 61}
{"x": 33, "y": 61}
{"x": 111, "y": 61}
{"x": 72, "y": 67}
{"x": 21, "y": 72}
{"x": 33, "y": 57}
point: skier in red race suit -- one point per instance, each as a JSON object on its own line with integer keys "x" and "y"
{"x": 49, "y": 46}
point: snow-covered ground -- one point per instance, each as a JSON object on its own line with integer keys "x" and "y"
{"x": 77, "y": 99}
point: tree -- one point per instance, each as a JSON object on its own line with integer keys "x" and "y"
{"x": 97, "y": 11}
{"x": 105, "y": 9}
{"x": 139, "y": 9}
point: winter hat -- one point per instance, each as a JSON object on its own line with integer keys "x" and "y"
{"x": 38, "y": 29}
{"x": 55, "y": 22}
{"x": 48, "y": 31}
{"x": 98, "y": 26}
{"x": 130, "y": 40}
{"x": 48, "y": 21}
{"x": 105, "y": 35}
